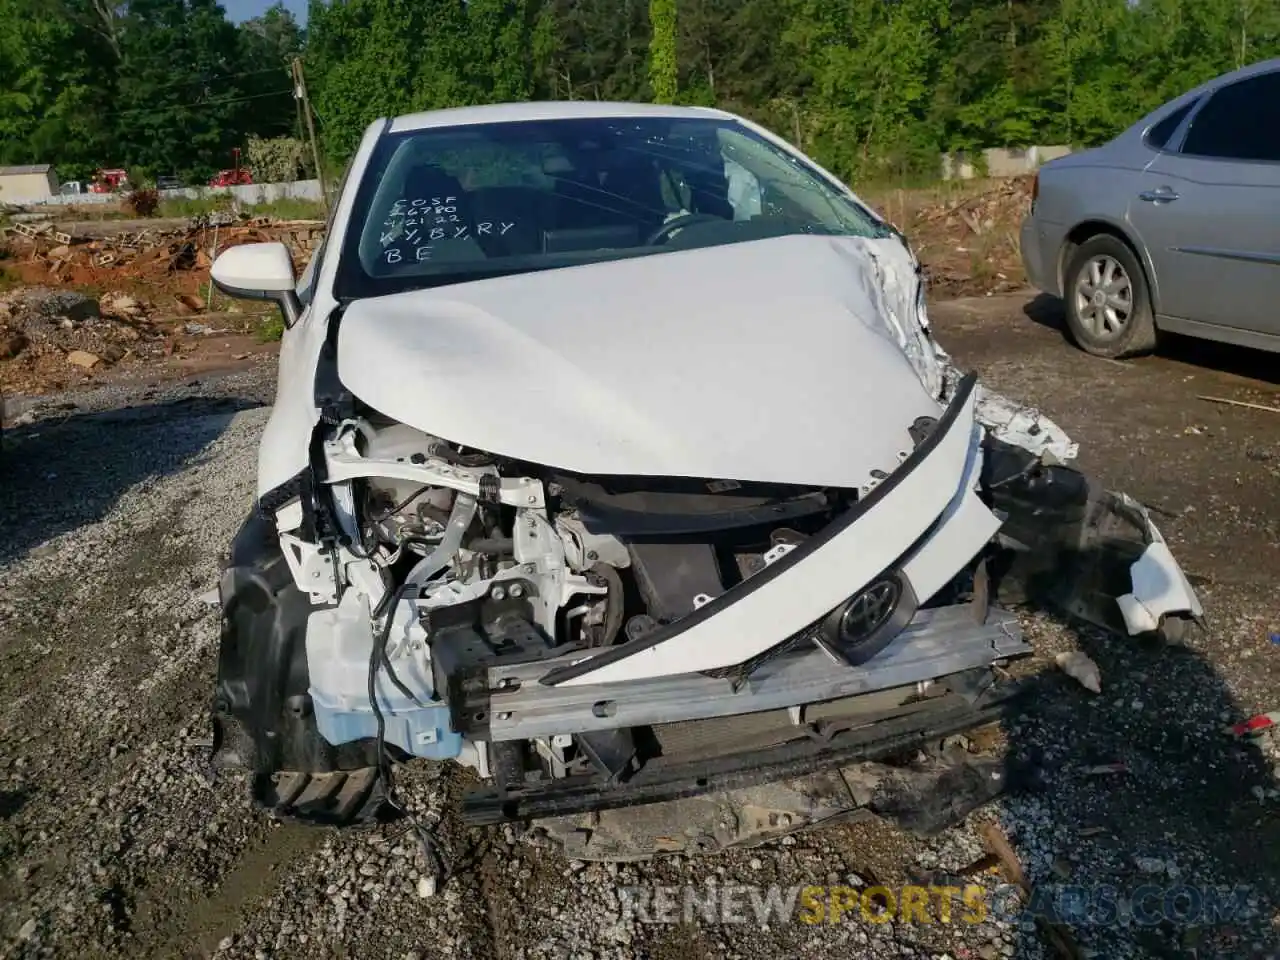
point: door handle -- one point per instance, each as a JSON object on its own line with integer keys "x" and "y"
{"x": 1159, "y": 195}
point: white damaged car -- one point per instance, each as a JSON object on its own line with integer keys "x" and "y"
{"x": 613, "y": 457}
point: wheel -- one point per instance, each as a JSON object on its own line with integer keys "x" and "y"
{"x": 1107, "y": 299}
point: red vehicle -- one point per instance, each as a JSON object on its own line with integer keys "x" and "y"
{"x": 231, "y": 178}
{"x": 109, "y": 181}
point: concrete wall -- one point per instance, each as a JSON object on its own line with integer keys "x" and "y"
{"x": 249, "y": 193}
{"x": 254, "y": 192}
{"x": 72, "y": 199}
{"x": 1001, "y": 161}
{"x": 24, "y": 187}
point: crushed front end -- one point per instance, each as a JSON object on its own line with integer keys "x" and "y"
{"x": 620, "y": 646}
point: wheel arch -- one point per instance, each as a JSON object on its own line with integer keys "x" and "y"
{"x": 1087, "y": 230}
{"x": 263, "y": 717}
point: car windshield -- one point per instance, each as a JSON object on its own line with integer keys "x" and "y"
{"x": 450, "y": 204}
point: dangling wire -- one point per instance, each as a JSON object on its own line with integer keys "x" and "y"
{"x": 431, "y": 848}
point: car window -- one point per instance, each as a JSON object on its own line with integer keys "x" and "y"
{"x": 447, "y": 204}
{"x": 1240, "y": 122}
{"x": 1159, "y": 134}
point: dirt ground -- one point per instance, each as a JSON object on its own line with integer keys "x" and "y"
{"x": 99, "y": 302}
{"x": 965, "y": 233}
{"x": 116, "y": 502}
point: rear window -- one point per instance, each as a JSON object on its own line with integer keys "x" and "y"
{"x": 1158, "y": 136}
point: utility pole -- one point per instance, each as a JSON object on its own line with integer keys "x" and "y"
{"x": 300, "y": 94}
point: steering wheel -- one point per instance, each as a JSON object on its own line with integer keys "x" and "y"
{"x": 664, "y": 231}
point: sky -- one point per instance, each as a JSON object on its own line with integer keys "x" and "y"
{"x": 238, "y": 10}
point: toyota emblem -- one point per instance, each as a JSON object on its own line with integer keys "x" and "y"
{"x": 869, "y": 610}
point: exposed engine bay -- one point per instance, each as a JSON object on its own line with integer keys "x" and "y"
{"x": 446, "y": 603}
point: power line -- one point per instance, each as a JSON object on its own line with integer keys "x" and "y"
{"x": 196, "y": 103}
{"x": 217, "y": 78}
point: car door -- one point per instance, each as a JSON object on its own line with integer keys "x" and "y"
{"x": 1208, "y": 210}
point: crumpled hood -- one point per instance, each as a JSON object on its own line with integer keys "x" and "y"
{"x": 773, "y": 361}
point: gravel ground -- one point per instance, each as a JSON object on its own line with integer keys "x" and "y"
{"x": 114, "y": 841}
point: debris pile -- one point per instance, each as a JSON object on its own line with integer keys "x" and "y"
{"x": 968, "y": 243}
{"x": 152, "y": 255}
{"x": 973, "y": 243}
{"x": 58, "y": 330}
{"x": 46, "y": 335}
{"x": 50, "y": 339}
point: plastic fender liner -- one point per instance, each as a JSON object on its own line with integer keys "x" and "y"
{"x": 262, "y": 714}
{"x": 811, "y": 580}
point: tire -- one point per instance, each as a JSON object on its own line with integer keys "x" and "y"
{"x": 1112, "y": 319}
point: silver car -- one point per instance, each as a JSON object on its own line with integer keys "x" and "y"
{"x": 1172, "y": 226}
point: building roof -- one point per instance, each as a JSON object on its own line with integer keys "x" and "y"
{"x": 28, "y": 168}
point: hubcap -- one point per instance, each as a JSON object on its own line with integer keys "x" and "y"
{"x": 1104, "y": 298}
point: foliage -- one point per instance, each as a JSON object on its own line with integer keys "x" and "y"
{"x": 663, "y": 67}
{"x": 143, "y": 202}
{"x": 875, "y": 89}
{"x": 272, "y": 328}
{"x": 205, "y": 203}
{"x": 160, "y": 87}
{"x": 209, "y": 202}
{"x": 277, "y": 160}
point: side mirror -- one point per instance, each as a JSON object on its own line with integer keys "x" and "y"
{"x": 259, "y": 271}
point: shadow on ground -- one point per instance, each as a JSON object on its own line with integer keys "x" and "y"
{"x": 59, "y": 474}
{"x": 1238, "y": 361}
{"x": 1180, "y": 848}
{"x": 1170, "y": 817}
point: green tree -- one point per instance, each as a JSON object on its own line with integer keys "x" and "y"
{"x": 500, "y": 34}
{"x": 54, "y": 92}
{"x": 361, "y": 65}
{"x": 663, "y": 66}
{"x": 178, "y": 92}
{"x": 372, "y": 58}
{"x": 593, "y": 49}
{"x": 267, "y": 45}
{"x": 870, "y": 87}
